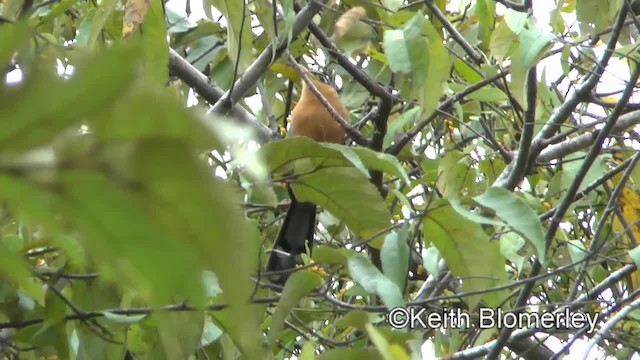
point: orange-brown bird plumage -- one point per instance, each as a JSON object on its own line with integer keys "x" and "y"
{"x": 311, "y": 119}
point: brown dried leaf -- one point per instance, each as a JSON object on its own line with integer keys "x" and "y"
{"x": 134, "y": 13}
{"x": 347, "y": 21}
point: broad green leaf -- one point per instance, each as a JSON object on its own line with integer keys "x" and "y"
{"x": 122, "y": 319}
{"x": 392, "y": 5}
{"x": 93, "y": 24}
{"x": 14, "y": 268}
{"x": 157, "y": 114}
{"x": 11, "y": 38}
{"x": 485, "y": 11}
{"x": 354, "y": 318}
{"x": 396, "y": 126}
{"x": 204, "y": 50}
{"x": 502, "y": 41}
{"x": 177, "y": 18}
{"x": 155, "y": 47}
{"x": 348, "y": 195}
{"x": 517, "y": 214}
{"x": 431, "y": 89}
{"x": 473, "y": 216}
{"x": 110, "y": 217}
{"x": 239, "y": 34}
{"x": 308, "y": 352}
{"x": 468, "y": 252}
{"x": 277, "y": 154}
{"x": 510, "y": 245}
{"x": 395, "y": 257}
{"x": 533, "y": 42}
{"x": 379, "y": 342}
{"x": 453, "y": 174}
{"x": 406, "y": 51}
{"x": 515, "y": 20}
{"x": 431, "y": 258}
{"x": 299, "y": 284}
{"x": 487, "y": 94}
{"x": 382, "y": 162}
{"x": 329, "y": 255}
{"x": 210, "y": 334}
{"x": 180, "y": 333}
{"x": 351, "y": 156}
{"x": 202, "y": 211}
{"x": 348, "y": 353}
{"x": 374, "y": 282}
{"x": 576, "y": 250}
{"x": 593, "y": 15}
{"x": 571, "y": 168}
{"x": 58, "y": 105}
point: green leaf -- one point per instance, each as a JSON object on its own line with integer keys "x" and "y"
{"x": 406, "y": 51}
{"x": 374, "y": 282}
{"x": 510, "y": 245}
{"x": 515, "y": 20}
{"x": 468, "y": 252}
{"x": 392, "y": 5}
{"x": 239, "y": 34}
{"x": 277, "y": 154}
{"x": 204, "y": 50}
{"x": 98, "y": 82}
{"x": 202, "y": 211}
{"x": 154, "y": 43}
{"x": 576, "y": 250}
{"x": 488, "y": 94}
{"x": 348, "y": 353}
{"x": 110, "y": 216}
{"x": 502, "y": 41}
{"x": 354, "y": 318}
{"x": 517, "y": 214}
{"x": 453, "y": 174}
{"x": 299, "y": 284}
{"x": 485, "y": 11}
{"x": 122, "y": 319}
{"x": 475, "y": 217}
{"x": 533, "y": 42}
{"x": 395, "y": 257}
{"x": 382, "y": 162}
{"x": 379, "y": 342}
{"x": 396, "y": 126}
{"x": 430, "y": 90}
{"x": 94, "y": 23}
{"x": 348, "y": 195}
{"x": 430, "y": 258}
{"x": 11, "y": 37}
{"x": 593, "y": 15}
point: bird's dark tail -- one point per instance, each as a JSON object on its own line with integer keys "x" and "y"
{"x": 297, "y": 230}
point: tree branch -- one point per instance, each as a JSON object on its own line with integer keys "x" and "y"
{"x": 269, "y": 55}
{"x": 212, "y": 93}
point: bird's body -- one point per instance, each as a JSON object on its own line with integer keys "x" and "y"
{"x": 311, "y": 119}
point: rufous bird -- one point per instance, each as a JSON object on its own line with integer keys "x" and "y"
{"x": 311, "y": 119}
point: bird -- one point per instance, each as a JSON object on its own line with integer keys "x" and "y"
{"x": 309, "y": 118}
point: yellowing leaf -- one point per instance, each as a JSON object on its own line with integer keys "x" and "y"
{"x": 134, "y": 13}
{"x": 630, "y": 208}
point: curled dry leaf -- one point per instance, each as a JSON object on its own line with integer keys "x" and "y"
{"x": 347, "y": 21}
{"x": 134, "y": 13}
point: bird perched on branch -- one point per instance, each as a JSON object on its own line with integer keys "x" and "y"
{"x": 311, "y": 119}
